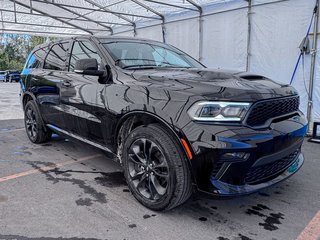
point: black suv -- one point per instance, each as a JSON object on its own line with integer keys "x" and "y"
{"x": 174, "y": 125}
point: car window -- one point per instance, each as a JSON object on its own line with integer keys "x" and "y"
{"x": 145, "y": 54}
{"x": 162, "y": 54}
{"x": 82, "y": 50}
{"x": 36, "y": 59}
{"x": 56, "y": 58}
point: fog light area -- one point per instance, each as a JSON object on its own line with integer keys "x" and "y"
{"x": 235, "y": 156}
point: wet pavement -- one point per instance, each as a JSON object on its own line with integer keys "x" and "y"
{"x": 9, "y": 101}
{"x": 69, "y": 190}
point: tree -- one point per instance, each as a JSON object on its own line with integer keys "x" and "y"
{"x": 14, "y": 49}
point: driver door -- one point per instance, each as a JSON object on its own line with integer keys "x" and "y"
{"x": 81, "y": 95}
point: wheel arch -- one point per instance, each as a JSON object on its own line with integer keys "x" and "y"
{"x": 27, "y": 96}
{"x": 134, "y": 119}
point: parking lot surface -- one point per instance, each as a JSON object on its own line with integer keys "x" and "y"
{"x": 69, "y": 190}
{"x": 10, "y": 105}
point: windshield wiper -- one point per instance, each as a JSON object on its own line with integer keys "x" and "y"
{"x": 168, "y": 65}
{"x": 145, "y": 66}
{"x": 133, "y": 59}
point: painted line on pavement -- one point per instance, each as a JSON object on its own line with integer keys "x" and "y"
{"x": 47, "y": 168}
{"x": 312, "y": 230}
{"x": 11, "y": 130}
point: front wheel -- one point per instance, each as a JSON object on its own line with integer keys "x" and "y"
{"x": 155, "y": 168}
{"x": 36, "y": 131}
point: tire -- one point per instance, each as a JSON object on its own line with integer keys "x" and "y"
{"x": 165, "y": 170}
{"x": 36, "y": 131}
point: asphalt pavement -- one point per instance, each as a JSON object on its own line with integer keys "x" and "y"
{"x": 69, "y": 190}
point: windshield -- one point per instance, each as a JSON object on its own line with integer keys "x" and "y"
{"x": 141, "y": 55}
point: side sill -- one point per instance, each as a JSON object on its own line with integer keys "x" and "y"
{"x": 59, "y": 130}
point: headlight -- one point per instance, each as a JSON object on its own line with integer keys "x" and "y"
{"x": 218, "y": 111}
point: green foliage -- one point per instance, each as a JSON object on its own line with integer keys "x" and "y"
{"x": 14, "y": 50}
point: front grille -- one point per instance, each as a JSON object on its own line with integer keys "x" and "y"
{"x": 262, "y": 111}
{"x": 271, "y": 170}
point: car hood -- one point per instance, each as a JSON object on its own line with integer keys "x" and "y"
{"x": 213, "y": 84}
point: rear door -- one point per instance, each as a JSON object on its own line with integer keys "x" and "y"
{"x": 51, "y": 80}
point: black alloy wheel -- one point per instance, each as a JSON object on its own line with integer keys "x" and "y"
{"x": 148, "y": 169}
{"x": 156, "y": 168}
{"x": 31, "y": 123}
{"x": 37, "y": 132}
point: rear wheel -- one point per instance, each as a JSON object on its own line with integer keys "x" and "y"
{"x": 155, "y": 168}
{"x": 36, "y": 131}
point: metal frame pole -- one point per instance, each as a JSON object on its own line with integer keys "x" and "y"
{"x": 15, "y": 11}
{"x": 312, "y": 71}
{"x": 171, "y": 5}
{"x": 39, "y": 33}
{"x": 51, "y": 16}
{"x": 49, "y": 26}
{"x": 85, "y": 17}
{"x": 105, "y": 10}
{"x": 163, "y": 27}
{"x": 200, "y": 36}
{"x": 249, "y": 13}
{"x": 95, "y": 10}
{"x": 200, "y": 10}
{"x": 63, "y": 17}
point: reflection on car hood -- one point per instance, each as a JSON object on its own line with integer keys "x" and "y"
{"x": 213, "y": 84}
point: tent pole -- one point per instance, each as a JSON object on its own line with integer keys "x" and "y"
{"x": 106, "y": 10}
{"x": 312, "y": 71}
{"x": 53, "y": 17}
{"x": 85, "y": 17}
{"x": 200, "y": 36}
{"x": 200, "y": 10}
{"x": 164, "y": 31}
{"x": 249, "y": 36}
{"x": 15, "y": 11}
{"x": 163, "y": 27}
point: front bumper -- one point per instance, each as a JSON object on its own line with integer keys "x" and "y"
{"x": 225, "y": 189}
{"x": 272, "y": 155}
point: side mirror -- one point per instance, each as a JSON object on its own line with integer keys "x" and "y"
{"x": 88, "y": 66}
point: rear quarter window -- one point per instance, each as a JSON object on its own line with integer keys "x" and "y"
{"x": 36, "y": 59}
{"x": 57, "y": 56}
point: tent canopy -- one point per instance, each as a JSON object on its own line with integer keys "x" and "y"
{"x": 259, "y": 36}
{"x": 78, "y": 17}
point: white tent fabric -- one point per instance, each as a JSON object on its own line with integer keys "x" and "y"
{"x": 277, "y": 29}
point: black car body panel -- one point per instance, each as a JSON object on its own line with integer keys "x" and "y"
{"x": 81, "y": 106}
